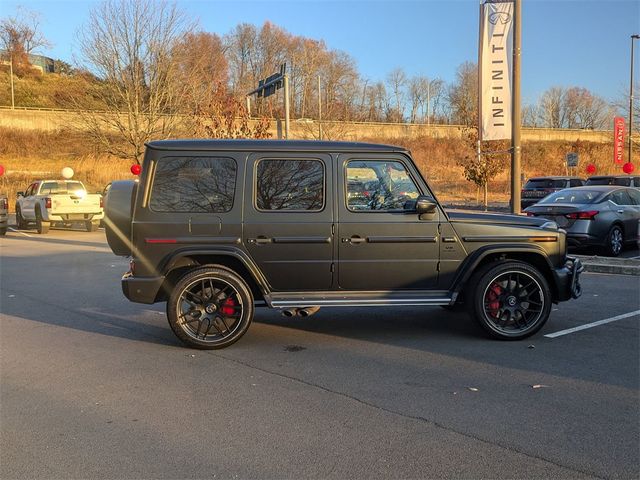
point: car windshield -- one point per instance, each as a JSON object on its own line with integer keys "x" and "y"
{"x": 624, "y": 181}
{"x": 62, "y": 187}
{"x": 571, "y": 196}
{"x": 545, "y": 183}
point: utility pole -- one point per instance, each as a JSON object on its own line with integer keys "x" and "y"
{"x": 319, "y": 110}
{"x": 516, "y": 119}
{"x": 633, "y": 37}
{"x": 286, "y": 106}
{"x": 13, "y": 101}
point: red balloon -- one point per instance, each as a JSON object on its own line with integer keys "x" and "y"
{"x": 136, "y": 169}
{"x": 628, "y": 167}
{"x": 591, "y": 168}
{"x": 1, "y": 170}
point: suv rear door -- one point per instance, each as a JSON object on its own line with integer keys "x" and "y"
{"x": 288, "y": 219}
{"x": 381, "y": 247}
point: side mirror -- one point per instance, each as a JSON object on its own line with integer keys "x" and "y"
{"x": 20, "y": 194}
{"x": 425, "y": 204}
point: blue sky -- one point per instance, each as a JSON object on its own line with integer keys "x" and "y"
{"x": 565, "y": 42}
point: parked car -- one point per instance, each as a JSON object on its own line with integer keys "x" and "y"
{"x": 539, "y": 187}
{"x": 216, "y": 227}
{"x": 620, "y": 180}
{"x": 47, "y": 202}
{"x": 601, "y": 216}
{"x": 4, "y": 214}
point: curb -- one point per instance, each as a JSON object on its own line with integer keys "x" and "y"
{"x": 617, "y": 266}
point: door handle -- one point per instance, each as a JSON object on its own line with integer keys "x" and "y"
{"x": 354, "y": 240}
{"x": 621, "y": 210}
{"x": 260, "y": 240}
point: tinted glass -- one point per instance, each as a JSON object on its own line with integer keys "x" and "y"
{"x": 194, "y": 184}
{"x": 576, "y": 183}
{"x": 61, "y": 187}
{"x": 378, "y": 185}
{"x": 608, "y": 181}
{"x": 624, "y": 181}
{"x": 620, "y": 198}
{"x": 545, "y": 183}
{"x": 635, "y": 196}
{"x": 290, "y": 185}
{"x": 571, "y": 196}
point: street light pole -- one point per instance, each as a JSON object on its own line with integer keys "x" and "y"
{"x": 13, "y": 101}
{"x": 633, "y": 37}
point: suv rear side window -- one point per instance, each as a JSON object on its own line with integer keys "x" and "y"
{"x": 545, "y": 183}
{"x": 289, "y": 185}
{"x": 194, "y": 184}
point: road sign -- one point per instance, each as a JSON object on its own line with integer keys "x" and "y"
{"x": 572, "y": 159}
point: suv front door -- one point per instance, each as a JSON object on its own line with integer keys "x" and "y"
{"x": 381, "y": 245}
{"x": 288, "y": 219}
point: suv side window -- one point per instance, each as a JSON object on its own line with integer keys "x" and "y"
{"x": 624, "y": 182}
{"x": 378, "y": 185}
{"x": 575, "y": 182}
{"x": 291, "y": 185}
{"x": 194, "y": 184}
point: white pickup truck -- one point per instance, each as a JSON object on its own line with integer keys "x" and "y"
{"x": 63, "y": 202}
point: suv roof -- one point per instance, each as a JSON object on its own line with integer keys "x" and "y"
{"x": 555, "y": 177}
{"x": 280, "y": 145}
{"x": 611, "y": 176}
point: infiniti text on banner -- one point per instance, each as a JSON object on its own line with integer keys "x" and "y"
{"x": 496, "y": 63}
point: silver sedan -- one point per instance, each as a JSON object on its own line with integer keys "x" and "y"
{"x": 602, "y": 216}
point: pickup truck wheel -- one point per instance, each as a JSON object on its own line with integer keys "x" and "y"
{"x": 21, "y": 223}
{"x": 210, "y": 308}
{"x": 41, "y": 225}
{"x": 91, "y": 226}
{"x": 511, "y": 300}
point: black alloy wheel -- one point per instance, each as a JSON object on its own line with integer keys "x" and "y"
{"x": 512, "y": 300}
{"x": 210, "y": 308}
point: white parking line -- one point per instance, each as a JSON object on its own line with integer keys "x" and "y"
{"x": 594, "y": 324}
{"x": 21, "y": 233}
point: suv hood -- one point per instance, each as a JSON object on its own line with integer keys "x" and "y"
{"x": 466, "y": 216}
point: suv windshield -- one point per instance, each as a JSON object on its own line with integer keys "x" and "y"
{"x": 545, "y": 183}
{"x": 572, "y": 196}
{"x": 62, "y": 187}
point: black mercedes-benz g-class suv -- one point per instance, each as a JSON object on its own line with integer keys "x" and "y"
{"x": 217, "y": 227}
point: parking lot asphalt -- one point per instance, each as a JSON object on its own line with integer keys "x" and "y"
{"x": 93, "y": 386}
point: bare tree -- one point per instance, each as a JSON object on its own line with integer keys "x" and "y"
{"x": 397, "y": 82}
{"x": 129, "y": 45}
{"x": 463, "y": 95}
{"x": 20, "y": 35}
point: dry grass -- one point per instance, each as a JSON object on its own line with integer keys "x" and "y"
{"x": 31, "y": 155}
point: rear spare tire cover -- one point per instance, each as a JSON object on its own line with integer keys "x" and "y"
{"x": 119, "y": 214}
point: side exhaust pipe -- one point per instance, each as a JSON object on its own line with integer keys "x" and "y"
{"x": 307, "y": 311}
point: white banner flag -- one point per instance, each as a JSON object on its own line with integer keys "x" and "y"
{"x": 496, "y": 63}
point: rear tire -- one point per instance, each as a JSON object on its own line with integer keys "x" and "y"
{"x": 511, "y": 300}
{"x": 614, "y": 242}
{"x": 3, "y": 231}
{"x": 91, "y": 226}
{"x": 41, "y": 225}
{"x": 210, "y": 308}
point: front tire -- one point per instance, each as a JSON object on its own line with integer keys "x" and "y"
{"x": 511, "y": 300}
{"x": 210, "y": 308}
{"x": 21, "y": 223}
{"x": 614, "y": 242}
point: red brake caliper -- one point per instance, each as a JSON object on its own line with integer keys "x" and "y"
{"x": 227, "y": 306}
{"x": 492, "y": 298}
